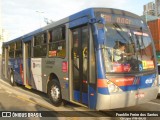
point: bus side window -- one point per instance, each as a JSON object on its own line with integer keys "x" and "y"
{"x": 40, "y": 45}
{"x": 11, "y": 50}
{"x": 159, "y": 69}
{"x": 18, "y": 51}
{"x": 57, "y": 42}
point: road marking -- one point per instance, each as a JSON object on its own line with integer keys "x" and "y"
{"x": 25, "y": 99}
{"x": 154, "y": 103}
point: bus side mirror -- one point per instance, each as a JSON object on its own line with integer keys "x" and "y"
{"x": 102, "y": 21}
{"x": 97, "y": 20}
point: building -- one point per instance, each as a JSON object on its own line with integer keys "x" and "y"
{"x": 149, "y": 17}
{"x": 149, "y": 9}
{"x": 157, "y": 7}
{"x": 4, "y": 37}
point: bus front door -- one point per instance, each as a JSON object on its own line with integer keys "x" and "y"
{"x": 80, "y": 65}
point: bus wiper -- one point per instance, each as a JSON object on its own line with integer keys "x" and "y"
{"x": 132, "y": 41}
{"x": 138, "y": 44}
{"x": 117, "y": 26}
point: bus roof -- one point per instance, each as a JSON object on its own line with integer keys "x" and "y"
{"x": 90, "y": 13}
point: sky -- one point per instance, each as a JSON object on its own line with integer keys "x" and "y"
{"x": 23, "y": 16}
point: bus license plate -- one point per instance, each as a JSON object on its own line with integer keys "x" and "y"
{"x": 139, "y": 95}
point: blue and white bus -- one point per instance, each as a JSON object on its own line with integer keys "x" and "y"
{"x": 78, "y": 59}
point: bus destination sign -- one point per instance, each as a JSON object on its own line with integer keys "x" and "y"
{"x": 117, "y": 19}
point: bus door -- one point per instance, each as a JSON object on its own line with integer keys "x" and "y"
{"x": 6, "y": 56}
{"x": 27, "y": 64}
{"x": 3, "y": 61}
{"x": 80, "y": 64}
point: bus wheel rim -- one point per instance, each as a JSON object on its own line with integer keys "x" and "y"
{"x": 55, "y": 93}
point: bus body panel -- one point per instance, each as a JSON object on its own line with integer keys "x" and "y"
{"x": 36, "y": 70}
{"x": 16, "y": 66}
{"x": 125, "y": 99}
{"x": 54, "y": 65}
{"x": 18, "y": 71}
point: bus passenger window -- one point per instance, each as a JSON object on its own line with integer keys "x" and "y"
{"x": 3, "y": 52}
{"x": 11, "y": 50}
{"x": 57, "y": 43}
{"x": 18, "y": 51}
{"x": 40, "y": 45}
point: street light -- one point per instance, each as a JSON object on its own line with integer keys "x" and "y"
{"x": 40, "y": 14}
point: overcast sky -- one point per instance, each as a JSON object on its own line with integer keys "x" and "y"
{"x": 20, "y": 17}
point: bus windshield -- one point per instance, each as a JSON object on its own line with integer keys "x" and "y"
{"x": 127, "y": 49}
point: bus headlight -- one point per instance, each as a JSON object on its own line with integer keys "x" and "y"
{"x": 113, "y": 88}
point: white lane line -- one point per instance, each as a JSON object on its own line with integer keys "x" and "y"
{"x": 154, "y": 103}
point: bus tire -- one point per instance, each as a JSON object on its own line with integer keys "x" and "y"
{"x": 54, "y": 92}
{"x": 12, "y": 82}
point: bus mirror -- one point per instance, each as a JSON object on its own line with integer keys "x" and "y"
{"x": 102, "y": 21}
{"x": 97, "y": 20}
{"x": 92, "y": 20}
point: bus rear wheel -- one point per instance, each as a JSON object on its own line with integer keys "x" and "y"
{"x": 12, "y": 82}
{"x": 54, "y": 93}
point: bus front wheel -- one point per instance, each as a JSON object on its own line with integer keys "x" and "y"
{"x": 54, "y": 92}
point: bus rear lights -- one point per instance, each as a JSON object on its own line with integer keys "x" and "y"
{"x": 65, "y": 78}
{"x": 64, "y": 66}
{"x": 139, "y": 95}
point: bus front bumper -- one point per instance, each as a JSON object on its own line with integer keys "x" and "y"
{"x": 125, "y": 99}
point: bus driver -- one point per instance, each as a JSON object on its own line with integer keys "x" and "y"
{"x": 120, "y": 53}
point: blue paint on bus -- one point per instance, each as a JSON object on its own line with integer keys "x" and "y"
{"x": 144, "y": 82}
{"x": 78, "y": 22}
{"x": 103, "y": 91}
{"x": 100, "y": 65}
{"x": 92, "y": 97}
